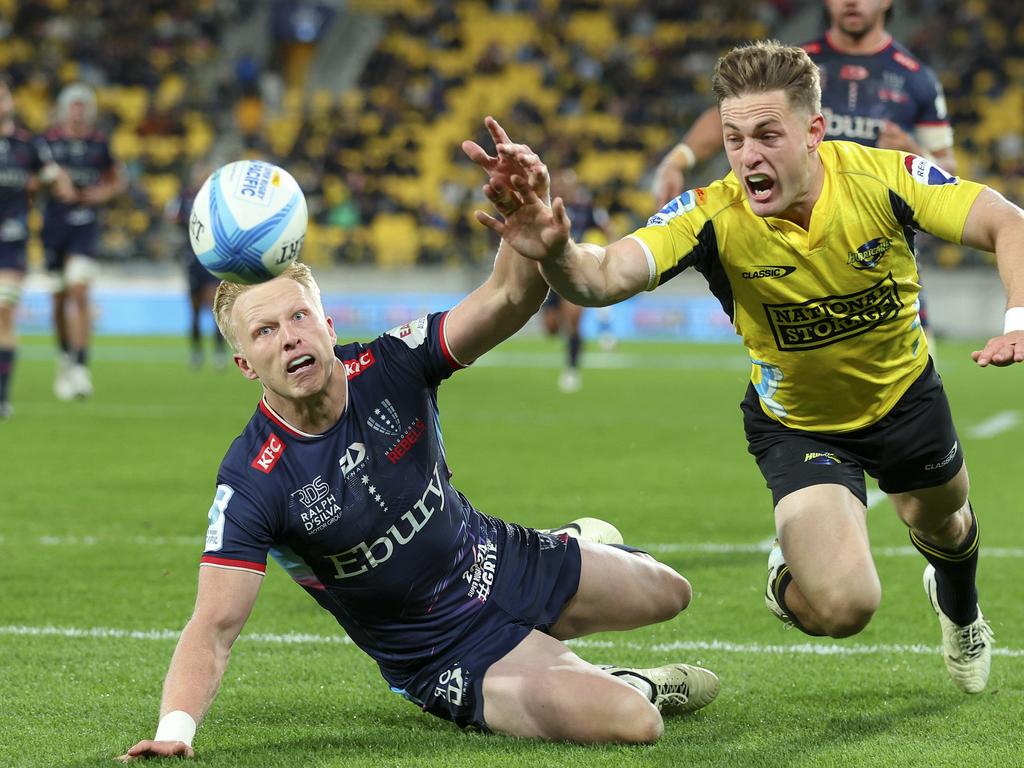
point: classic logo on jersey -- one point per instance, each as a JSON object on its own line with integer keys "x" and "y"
{"x": 385, "y": 419}
{"x": 820, "y": 322}
{"x": 926, "y": 172}
{"x": 759, "y": 272}
{"x": 319, "y": 503}
{"x": 869, "y": 254}
{"x": 408, "y": 440}
{"x": 480, "y": 575}
{"x": 215, "y": 518}
{"x": 366, "y": 556}
{"x": 945, "y": 459}
{"x": 821, "y": 457}
{"x": 269, "y": 454}
{"x": 355, "y": 454}
{"x": 413, "y": 333}
{"x": 359, "y": 364}
{"x": 685, "y": 203}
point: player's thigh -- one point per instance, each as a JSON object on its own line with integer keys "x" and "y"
{"x": 541, "y": 689}
{"x": 824, "y": 537}
{"x": 10, "y": 294}
{"x": 927, "y": 508}
{"x": 571, "y": 315}
{"x": 620, "y": 590}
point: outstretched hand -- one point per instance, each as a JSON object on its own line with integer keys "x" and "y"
{"x": 1001, "y": 350}
{"x": 511, "y": 160}
{"x": 149, "y": 748}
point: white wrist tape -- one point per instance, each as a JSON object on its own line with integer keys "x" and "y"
{"x": 176, "y": 726}
{"x": 688, "y": 157}
{"x": 1014, "y": 320}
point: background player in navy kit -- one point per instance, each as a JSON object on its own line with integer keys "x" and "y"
{"x": 71, "y": 229}
{"x": 201, "y": 284}
{"x": 873, "y": 91}
{"x": 23, "y": 160}
{"x": 341, "y": 476}
{"x": 558, "y": 315}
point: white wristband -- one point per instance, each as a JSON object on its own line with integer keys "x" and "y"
{"x": 688, "y": 157}
{"x": 1014, "y": 320}
{"x": 176, "y": 726}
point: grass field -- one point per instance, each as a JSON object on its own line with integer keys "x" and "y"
{"x": 103, "y": 507}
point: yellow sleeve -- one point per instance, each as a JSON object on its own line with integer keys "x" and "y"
{"x": 672, "y": 234}
{"x": 938, "y": 202}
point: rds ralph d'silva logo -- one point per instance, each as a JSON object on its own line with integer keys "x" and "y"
{"x": 820, "y": 322}
{"x": 869, "y": 254}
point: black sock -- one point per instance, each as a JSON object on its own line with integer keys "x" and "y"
{"x": 82, "y": 356}
{"x": 575, "y": 344}
{"x": 784, "y": 580}
{"x": 6, "y": 371}
{"x": 628, "y": 548}
{"x": 954, "y": 574}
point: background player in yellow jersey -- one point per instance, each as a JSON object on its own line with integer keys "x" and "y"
{"x": 809, "y": 247}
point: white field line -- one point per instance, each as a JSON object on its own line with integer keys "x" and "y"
{"x": 293, "y": 638}
{"x": 696, "y": 547}
{"x": 995, "y": 425}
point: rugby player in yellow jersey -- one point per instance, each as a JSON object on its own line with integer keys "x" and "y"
{"x": 809, "y": 247}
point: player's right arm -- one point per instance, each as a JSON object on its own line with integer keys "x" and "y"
{"x": 702, "y": 142}
{"x": 223, "y": 602}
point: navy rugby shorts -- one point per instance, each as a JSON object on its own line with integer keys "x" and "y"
{"x": 63, "y": 240}
{"x": 913, "y": 446}
{"x": 536, "y": 575}
{"x": 13, "y": 256}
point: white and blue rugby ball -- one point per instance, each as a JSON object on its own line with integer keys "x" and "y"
{"x": 248, "y": 221}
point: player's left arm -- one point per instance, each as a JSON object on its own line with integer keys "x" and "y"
{"x": 113, "y": 182}
{"x": 995, "y": 224}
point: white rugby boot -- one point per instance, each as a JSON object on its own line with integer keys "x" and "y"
{"x": 967, "y": 651}
{"x": 777, "y": 568}
{"x": 81, "y": 381}
{"x": 588, "y": 529}
{"x": 63, "y": 384}
{"x": 673, "y": 688}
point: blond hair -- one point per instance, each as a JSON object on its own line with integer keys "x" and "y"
{"x": 769, "y": 66}
{"x": 228, "y": 293}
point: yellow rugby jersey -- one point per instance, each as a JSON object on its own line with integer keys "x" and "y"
{"x": 830, "y": 315}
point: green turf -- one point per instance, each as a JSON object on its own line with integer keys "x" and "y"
{"x": 103, "y": 505}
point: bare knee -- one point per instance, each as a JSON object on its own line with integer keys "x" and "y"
{"x": 669, "y": 594}
{"x": 843, "y": 614}
{"x": 636, "y": 721}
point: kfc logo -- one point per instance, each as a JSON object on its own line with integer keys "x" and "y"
{"x": 354, "y": 367}
{"x": 269, "y": 454}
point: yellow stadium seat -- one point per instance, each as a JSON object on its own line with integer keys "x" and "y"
{"x": 395, "y": 239}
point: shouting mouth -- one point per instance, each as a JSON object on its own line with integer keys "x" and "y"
{"x": 300, "y": 363}
{"x": 760, "y": 187}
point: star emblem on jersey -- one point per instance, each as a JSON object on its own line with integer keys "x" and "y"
{"x": 385, "y": 419}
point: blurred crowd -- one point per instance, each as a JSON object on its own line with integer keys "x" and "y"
{"x": 603, "y": 87}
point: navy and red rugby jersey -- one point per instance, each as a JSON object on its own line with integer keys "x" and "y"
{"x": 364, "y": 516}
{"x": 859, "y": 92}
{"x": 86, "y": 160}
{"x": 21, "y": 156}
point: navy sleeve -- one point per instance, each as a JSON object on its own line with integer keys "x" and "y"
{"x": 421, "y": 347}
{"x": 240, "y": 529}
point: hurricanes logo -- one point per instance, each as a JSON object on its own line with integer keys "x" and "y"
{"x": 821, "y": 457}
{"x": 869, "y": 254}
{"x": 385, "y": 419}
{"x": 820, "y": 322}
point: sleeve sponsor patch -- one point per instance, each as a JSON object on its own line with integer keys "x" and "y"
{"x": 926, "y": 172}
{"x": 413, "y": 333}
{"x": 215, "y": 519}
{"x": 685, "y": 203}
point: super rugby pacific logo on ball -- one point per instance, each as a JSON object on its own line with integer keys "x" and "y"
{"x": 248, "y": 221}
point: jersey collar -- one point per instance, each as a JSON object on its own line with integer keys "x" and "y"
{"x": 886, "y": 42}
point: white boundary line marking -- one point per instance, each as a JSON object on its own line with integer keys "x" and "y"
{"x": 297, "y": 638}
{"x": 1001, "y": 422}
{"x": 697, "y": 547}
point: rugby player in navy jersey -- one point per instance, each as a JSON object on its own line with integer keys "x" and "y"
{"x": 71, "y": 230}
{"x": 201, "y": 284}
{"x": 24, "y": 162}
{"x": 808, "y": 245}
{"x": 341, "y": 476}
{"x": 873, "y": 91}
